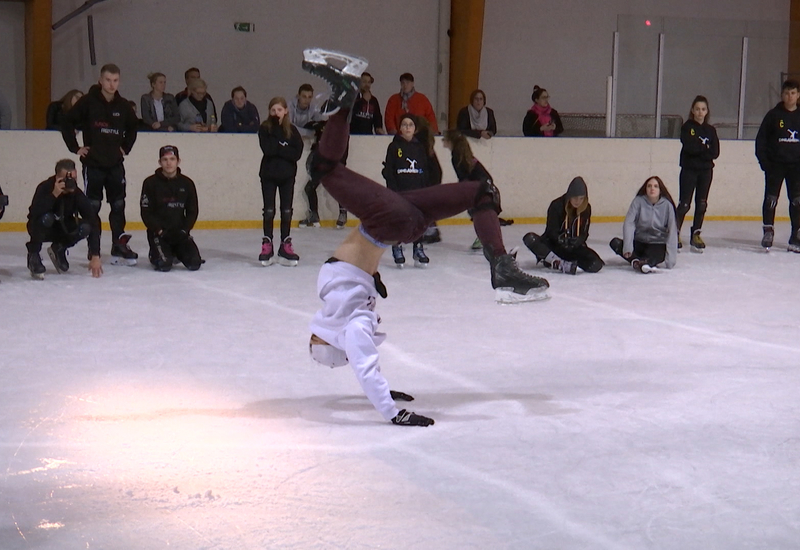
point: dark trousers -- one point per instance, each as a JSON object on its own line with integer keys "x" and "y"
{"x": 586, "y": 258}
{"x": 774, "y": 178}
{"x": 697, "y": 183}
{"x": 166, "y": 247}
{"x": 112, "y": 180}
{"x": 269, "y": 187}
{"x": 649, "y": 253}
{"x": 392, "y": 217}
{"x": 48, "y": 230}
{"x": 313, "y": 183}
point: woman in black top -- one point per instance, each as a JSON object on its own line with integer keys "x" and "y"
{"x": 700, "y": 148}
{"x": 541, "y": 120}
{"x": 57, "y": 109}
{"x": 476, "y": 119}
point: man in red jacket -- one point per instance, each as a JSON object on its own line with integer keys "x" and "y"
{"x": 408, "y": 101}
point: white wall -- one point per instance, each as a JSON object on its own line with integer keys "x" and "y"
{"x": 12, "y": 60}
{"x": 566, "y": 47}
{"x": 529, "y": 172}
{"x": 169, "y": 37}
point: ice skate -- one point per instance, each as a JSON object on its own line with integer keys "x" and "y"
{"x": 286, "y": 254}
{"x": 697, "y": 242}
{"x": 643, "y": 267}
{"x": 420, "y": 258}
{"x": 680, "y": 244}
{"x": 345, "y": 82}
{"x": 58, "y": 255}
{"x": 121, "y": 253}
{"x": 769, "y": 236}
{"x": 570, "y": 268}
{"x": 477, "y": 245}
{"x": 794, "y": 242}
{"x": 267, "y": 255}
{"x": 399, "y": 257}
{"x": 36, "y": 266}
{"x": 341, "y": 221}
{"x": 312, "y": 220}
{"x": 432, "y": 235}
{"x": 512, "y": 285}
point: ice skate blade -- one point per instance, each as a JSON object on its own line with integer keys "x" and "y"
{"x": 506, "y": 295}
{"x": 697, "y": 250}
{"x": 54, "y": 259}
{"x": 421, "y": 265}
{"x": 340, "y": 226}
{"x": 353, "y": 65}
{"x": 267, "y": 263}
{"x": 315, "y": 224}
{"x": 37, "y": 276}
{"x": 129, "y": 262}
{"x": 287, "y": 262}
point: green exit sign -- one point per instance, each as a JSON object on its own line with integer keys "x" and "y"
{"x": 244, "y": 27}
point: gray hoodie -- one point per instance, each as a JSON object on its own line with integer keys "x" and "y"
{"x": 652, "y": 224}
{"x": 302, "y": 117}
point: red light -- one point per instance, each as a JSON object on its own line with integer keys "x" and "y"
{"x": 647, "y": 22}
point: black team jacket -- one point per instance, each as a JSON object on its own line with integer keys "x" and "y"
{"x": 700, "y": 145}
{"x": 406, "y": 165}
{"x": 168, "y": 205}
{"x": 778, "y": 138}
{"x": 69, "y": 209}
{"x": 108, "y": 126}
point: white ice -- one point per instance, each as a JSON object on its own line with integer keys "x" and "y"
{"x": 146, "y": 410}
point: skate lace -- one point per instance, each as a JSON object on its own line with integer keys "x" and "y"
{"x": 287, "y": 246}
{"x": 266, "y": 247}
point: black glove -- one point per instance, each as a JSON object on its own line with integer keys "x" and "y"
{"x": 400, "y": 396}
{"x": 405, "y": 418}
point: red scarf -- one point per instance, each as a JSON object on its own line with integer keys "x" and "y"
{"x": 543, "y": 114}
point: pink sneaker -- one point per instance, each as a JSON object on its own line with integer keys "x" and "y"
{"x": 266, "y": 256}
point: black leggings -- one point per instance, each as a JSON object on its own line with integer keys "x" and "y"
{"x": 586, "y": 258}
{"x": 772, "y": 190}
{"x": 285, "y": 187}
{"x": 697, "y": 183}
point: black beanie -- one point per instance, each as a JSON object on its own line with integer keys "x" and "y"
{"x": 577, "y": 188}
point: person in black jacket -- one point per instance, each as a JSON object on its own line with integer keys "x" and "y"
{"x": 476, "y": 119}
{"x": 778, "y": 153}
{"x": 57, "y": 109}
{"x": 406, "y": 169}
{"x": 61, "y": 214}
{"x": 109, "y": 132}
{"x": 169, "y": 211}
{"x": 563, "y": 244}
{"x": 700, "y": 148}
{"x": 541, "y": 120}
{"x": 282, "y": 147}
{"x": 367, "y": 118}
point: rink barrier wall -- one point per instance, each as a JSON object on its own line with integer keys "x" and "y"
{"x": 529, "y": 172}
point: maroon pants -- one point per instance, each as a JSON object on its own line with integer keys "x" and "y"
{"x": 392, "y": 217}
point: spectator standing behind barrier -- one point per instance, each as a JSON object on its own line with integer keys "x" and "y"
{"x": 650, "y": 234}
{"x": 563, "y": 244}
{"x": 476, "y": 119}
{"x": 408, "y": 100}
{"x": 5, "y": 113}
{"x": 169, "y": 211}
{"x": 700, "y": 148}
{"x": 109, "y": 132}
{"x": 305, "y": 116}
{"x": 282, "y": 147}
{"x": 366, "y": 118}
{"x": 198, "y": 112}
{"x": 61, "y": 214}
{"x": 406, "y": 169}
{"x": 190, "y": 74}
{"x": 57, "y": 109}
{"x": 159, "y": 109}
{"x": 541, "y": 120}
{"x": 778, "y": 153}
{"x": 239, "y": 116}
{"x": 434, "y": 177}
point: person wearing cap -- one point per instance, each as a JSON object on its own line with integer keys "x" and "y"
{"x": 367, "y": 118}
{"x": 408, "y": 100}
{"x": 169, "y": 211}
{"x": 563, "y": 244}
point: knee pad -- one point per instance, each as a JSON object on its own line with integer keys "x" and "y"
{"x": 594, "y": 266}
{"x": 286, "y": 213}
{"x": 771, "y": 201}
{"x": 118, "y": 205}
{"x": 683, "y": 207}
{"x": 701, "y": 207}
{"x": 95, "y": 206}
{"x": 83, "y": 230}
{"x": 269, "y": 212}
{"x": 487, "y": 189}
{"x": 48, "y": 220}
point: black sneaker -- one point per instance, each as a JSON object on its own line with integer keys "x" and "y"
{"x": 512, "y": 285}
{"x": 121, "y": 253}
{"x": 58, "y": 255}
{"x": 345, "y": 82}
{"x": 35, "y": 265}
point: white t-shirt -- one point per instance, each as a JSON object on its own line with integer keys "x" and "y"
{"x": 159, "y": 105}
{"x": 347, "y": 321}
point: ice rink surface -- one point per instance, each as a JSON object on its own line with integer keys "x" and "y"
{"x": 146, "y": 410}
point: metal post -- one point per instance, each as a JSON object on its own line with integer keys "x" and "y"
{"x": 742, "y": 88}
{"x": 609, "y": 93}
{"x": 659, "y": 83}
{"x": 611, "y": 129}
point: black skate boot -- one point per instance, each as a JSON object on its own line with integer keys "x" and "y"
{"x": 312, "y": 220}
{"x": 769, "y": 236}
{"x": 267, "y": 255}
{"x": 697, "y": 242}
{"x": 794, "y": 242}
{"x": 512, "y": 285}
{"x": 432, "y": 235}
{"x": 121, "y": 253}
{"x": 286, "y": 254}
{"x": 58, "y": 255}
{"x": 36, "y": 266}
{"x": 341, "y": 221}
{"x": 420, "y": 258}
{"x": 345, "y": 82}
{"x": 399, "y": 257}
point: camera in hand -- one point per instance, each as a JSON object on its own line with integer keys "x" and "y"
{"x": 3, "y": 200}
{"x": 70, "y": 184}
